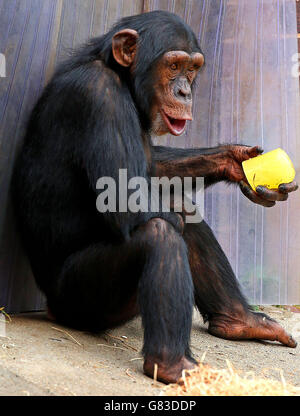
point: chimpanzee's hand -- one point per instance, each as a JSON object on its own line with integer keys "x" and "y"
{"x": 268, "y": 197}
{"x": 235, "y": 155}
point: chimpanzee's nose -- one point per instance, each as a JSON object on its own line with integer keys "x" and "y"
{"x": 182, "y": 90}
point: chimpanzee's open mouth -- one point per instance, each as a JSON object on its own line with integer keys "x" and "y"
{"x": 175, "y": 126}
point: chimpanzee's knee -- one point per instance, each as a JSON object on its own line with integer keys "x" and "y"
{"x": 159, "y": 232}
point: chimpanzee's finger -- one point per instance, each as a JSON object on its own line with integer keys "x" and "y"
{"x": 254, "y": 197}
{"x": 242, "y": 153}
{"x": 288, "y": 187}
{"x": 254, "y": 151}
{"x": 271, "y": 194}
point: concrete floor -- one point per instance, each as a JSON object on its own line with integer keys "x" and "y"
{"x": 41, "y": 358}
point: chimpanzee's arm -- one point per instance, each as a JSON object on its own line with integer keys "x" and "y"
{"x": 217, "y": 164}
{"x": 210, "y": 163}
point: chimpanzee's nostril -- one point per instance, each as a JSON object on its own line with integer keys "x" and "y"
{"x": 183, "y": 93}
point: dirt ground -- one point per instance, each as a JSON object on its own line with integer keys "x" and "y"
{"x": 41, "y": 358}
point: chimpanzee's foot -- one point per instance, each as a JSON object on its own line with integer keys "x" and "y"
{"x": 249, "y": 326}
{"x": 167, "y": 373}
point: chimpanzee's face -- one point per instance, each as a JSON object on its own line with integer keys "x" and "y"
{"x": 172, "y": 105}
{"x": 172, "y": 76}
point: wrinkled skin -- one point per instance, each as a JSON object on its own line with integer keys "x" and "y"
{"x": 172, "y": 105}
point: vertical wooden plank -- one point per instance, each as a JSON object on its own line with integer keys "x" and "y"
{"x": 67, "y": 29}
{"x": 26, "y": 56}
{"x": 99, "y": 17}
{"x": 7, "y": 13}
{"x": 134, "y": 7}
{"x": 147, "y": 6}
{"x": 17, "y": 76}
{"x": 54, "y": 39}
{"x": 83, "y": 21}
{"x": 298, "y": 23}
{"x": 113, "y": 14}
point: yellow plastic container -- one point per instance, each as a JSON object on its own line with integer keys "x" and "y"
{"x": 269, "y": 169}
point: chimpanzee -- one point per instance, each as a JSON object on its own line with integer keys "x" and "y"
{"x": 98, "y": 270}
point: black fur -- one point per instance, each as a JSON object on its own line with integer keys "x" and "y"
{"x": 91, "y": 121}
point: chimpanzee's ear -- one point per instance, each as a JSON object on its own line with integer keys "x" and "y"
{"x": 124, "y": 45}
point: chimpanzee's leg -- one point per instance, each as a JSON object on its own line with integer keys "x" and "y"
{"x": 166, "y": 302}
{"x": 218, "y": 296}
{"x": 97, "y": 289}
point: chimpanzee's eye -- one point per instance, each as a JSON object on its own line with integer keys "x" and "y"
{"x": 174, "y": 67}
{"x": 194, "y": 68}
